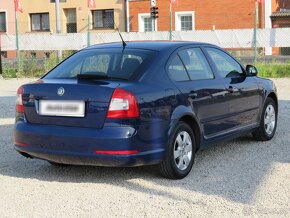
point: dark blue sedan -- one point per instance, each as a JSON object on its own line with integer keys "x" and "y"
{"x": 142, "y": 103}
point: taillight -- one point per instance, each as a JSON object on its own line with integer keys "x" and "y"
{"x": 19, "y": 103}
{"x": 123, "y": 105}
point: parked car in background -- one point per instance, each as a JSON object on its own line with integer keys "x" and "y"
{"x": 142, "y": 103}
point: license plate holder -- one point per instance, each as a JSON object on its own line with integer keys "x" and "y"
{"x": 61, "y": 108}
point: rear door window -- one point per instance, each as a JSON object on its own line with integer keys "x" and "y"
{"x": 196, "y": 64}
{"x": 177, "y": 71}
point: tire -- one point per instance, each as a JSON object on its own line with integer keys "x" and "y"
{"x": 180, "y": 153}
{"x": 268, "y": 122}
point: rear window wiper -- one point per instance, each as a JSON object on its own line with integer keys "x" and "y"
{"x": 97, "y": 77}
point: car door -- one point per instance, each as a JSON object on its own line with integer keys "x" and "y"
{"x": 200, "y": 89}
{"x": 242, "y": 91}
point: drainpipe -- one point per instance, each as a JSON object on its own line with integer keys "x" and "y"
{"x": 268, "y": 22}
{"x": 58, "y": 29}
{"x": 57, "y": 13}
{"x": 127, "y": 14}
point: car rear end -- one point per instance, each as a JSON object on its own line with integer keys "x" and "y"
{"x": 94, "y": 120}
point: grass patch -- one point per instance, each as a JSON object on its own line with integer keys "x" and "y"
{"x": 274, "y": 70}
{"x": 30, "y": 66}
{"x": 9, "y": 73}
{"x": 33, "y": 68}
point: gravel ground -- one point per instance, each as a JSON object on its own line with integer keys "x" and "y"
{"x": 237, "y": 178}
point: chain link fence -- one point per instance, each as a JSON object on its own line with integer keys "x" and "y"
{"x": 41, "y": 49}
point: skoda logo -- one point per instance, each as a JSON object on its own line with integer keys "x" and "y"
{"x": 60, "y": 91}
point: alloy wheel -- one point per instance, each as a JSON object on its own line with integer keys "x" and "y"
{"x": 182, "y": 150}
{"x": 269, "y": 119}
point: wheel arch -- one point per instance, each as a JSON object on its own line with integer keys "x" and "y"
{"x": 274, "y": 97}
{"x": 194, "y": 125}
{"x": 186, "y": 114}
{"x": 260, "y": 132}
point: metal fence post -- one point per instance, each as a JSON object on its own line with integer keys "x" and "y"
{"x": 255, "y": 32}
{"x": 17, "y": 43}
{"x": 1, "y": 70}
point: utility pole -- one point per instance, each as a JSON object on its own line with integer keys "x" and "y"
{"x": 91, "y": 4}
{"x": 18, "y": 8}
{"x": 58, "y": 28}
{"x": 170, "y": 28}
{"x": 257, "y": 2}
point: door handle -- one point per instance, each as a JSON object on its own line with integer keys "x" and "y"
{"x": 192, "y": 94}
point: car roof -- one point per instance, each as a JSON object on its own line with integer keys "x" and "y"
{"x": 148, "y": 45}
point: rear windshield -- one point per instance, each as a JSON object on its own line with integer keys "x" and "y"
{"x": 113, "y": 63}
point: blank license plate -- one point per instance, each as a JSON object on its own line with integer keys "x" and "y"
{"x": 62, "y": 108}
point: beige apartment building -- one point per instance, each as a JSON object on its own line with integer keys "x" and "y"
{"x": 40, "y": 16}
{"x": 7, "y": 24}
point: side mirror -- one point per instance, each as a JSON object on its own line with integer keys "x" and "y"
{"x": 251, "y": 70}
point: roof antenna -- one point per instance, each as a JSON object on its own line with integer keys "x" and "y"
{"x": 124, "y": 43}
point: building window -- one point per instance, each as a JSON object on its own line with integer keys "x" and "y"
{"x": 47, "y": 54}
{"x": 103, "y": 19}
{"x": 39, "y": 22}
{"x": 145, "y": 23}
{"x": 33, "y": 54}
{"x": 184, "y": 21}
{"x": 285, "y": 50}
{"x": 4, "y": 54}
{"x": 148, "y": 24}
{"x": 71, "y": 20}
{"x": 2, "y": 22}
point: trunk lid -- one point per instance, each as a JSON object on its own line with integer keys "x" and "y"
{"x": 94, "y": 94}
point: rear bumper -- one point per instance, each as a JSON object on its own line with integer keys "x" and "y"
{"x": 78, "y": 146}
